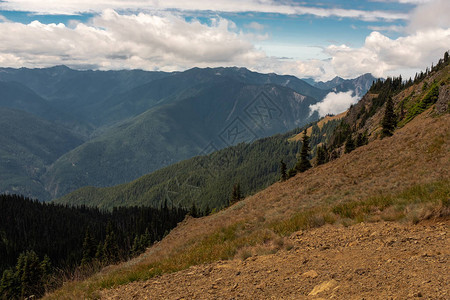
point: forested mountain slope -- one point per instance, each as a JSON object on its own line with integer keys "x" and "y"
{"x": 221, "y": 115}
{"x": 135, "y": 122}
{"x": 27, "y": 145}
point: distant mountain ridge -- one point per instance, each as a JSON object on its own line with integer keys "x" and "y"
{"x": 359, "y": 85}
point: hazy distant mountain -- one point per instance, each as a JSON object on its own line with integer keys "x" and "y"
{"x": 222, "y": 113}
{"x": 28, "y": 145}
{"x": 328, "y": 85}
{"x": 360, "y": 85}
{"x": 75, "y": 92}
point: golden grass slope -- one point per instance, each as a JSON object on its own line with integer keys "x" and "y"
{"x": 405, "y": 176}
{"x": 323, "y": 121}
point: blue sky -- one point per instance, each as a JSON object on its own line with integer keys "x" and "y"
{"x": 318, "y": 39}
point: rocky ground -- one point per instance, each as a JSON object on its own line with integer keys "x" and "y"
{"x": 383, "y": 260}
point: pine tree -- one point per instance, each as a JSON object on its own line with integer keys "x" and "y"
{"x": 99, "y": 253}
{"x": 46, "y": 266}
{"x": 193, "y": 212}
{"x": 10, "y": 287}
{"x": 110, "y": 246}
{"x": 145, "y": 240}
{"x": 321, "y": 155}
{"x": 389, "y": 120}
{"x": 236, "y": 195}
{"x": 135, "y": 248}
{"x": 303, "y": 163}
{"x": 349, "y": 144}
{"x": 283, "y": 170}
{"x": 207, "y": 210}
{"x": 361, "y": 140}
{"x": 30, "y": 274}
{"x": 89, "y": 248}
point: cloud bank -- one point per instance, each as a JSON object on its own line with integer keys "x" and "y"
{"x": 334, "y": 103}
{"x": 383, "y": 56}
{"x": 164, "y": 40}
{"x": 112, "y": 40}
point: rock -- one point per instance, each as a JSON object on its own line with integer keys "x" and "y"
{"x": 310, "y": 274}
{"x": 361, "y": 271}
{"x": 324, "y": 286}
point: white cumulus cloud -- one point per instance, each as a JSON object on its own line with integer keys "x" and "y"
{"x": 334, "y": 103}
{"x": 384, "y": 56}
{"x": 427, "y": 37}
{"x": 112, "y": 40}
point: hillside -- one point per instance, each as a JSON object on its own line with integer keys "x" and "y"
{"x": 28, "y": 145}
{"x": 205, "y": 180}
{"x": 403, "y": 178}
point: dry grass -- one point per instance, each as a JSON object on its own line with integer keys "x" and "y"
{"x": 240, "y": 241}
{"x": 392, "y": 179}
{"x": 326, "y": 119}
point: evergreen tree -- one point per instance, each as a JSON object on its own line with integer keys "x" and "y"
{"x": 389, "y": 120}
{"x": 89, "y": 248}
{"x": 110, "y": 246}
{"x": 10, "y": 287}
{"x": 135, "y": 248}
{"x": 283, "y": 171}
{"x": 207, "y": 210}
{"x": 303, "y": 163}
{"x": 236, "y": 195}
{"x": 30, "y": 274}
{"x": 193, "y": 212}
{"x": 349, "y": 144}
{"x": 145, "y": 240}
{"x": 46, "y": 266}
{"x": 99, "y": 253}
{"x": 321, "y": 155}
{"x": 291, "y": 173}
{"x": 361, "y": 140}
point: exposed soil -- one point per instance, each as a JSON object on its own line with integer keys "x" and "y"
{"x": 383, "y": 260}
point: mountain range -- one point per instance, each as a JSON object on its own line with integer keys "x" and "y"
{"x": 101, "y": 128}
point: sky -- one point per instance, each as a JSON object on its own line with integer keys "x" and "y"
{"x": 309, "y": 39}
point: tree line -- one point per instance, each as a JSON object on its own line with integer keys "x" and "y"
{"x": 40, "y": 239}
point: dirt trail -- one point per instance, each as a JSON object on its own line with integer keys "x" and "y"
{"x": 384, "y": 260}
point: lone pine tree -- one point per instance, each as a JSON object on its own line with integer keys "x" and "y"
{"x": 303, "y": 163}
{"x": 389, "y": 120}
{"x": 283, "y": 170}
{"x": 236, "y": 195}
{"x": 321, "y": 155}
{"x": 349, "y": 144}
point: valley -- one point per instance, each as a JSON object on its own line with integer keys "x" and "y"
{"x": 130, "y": 123}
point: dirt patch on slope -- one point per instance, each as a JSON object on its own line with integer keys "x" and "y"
{"x": 365, "y": 261}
